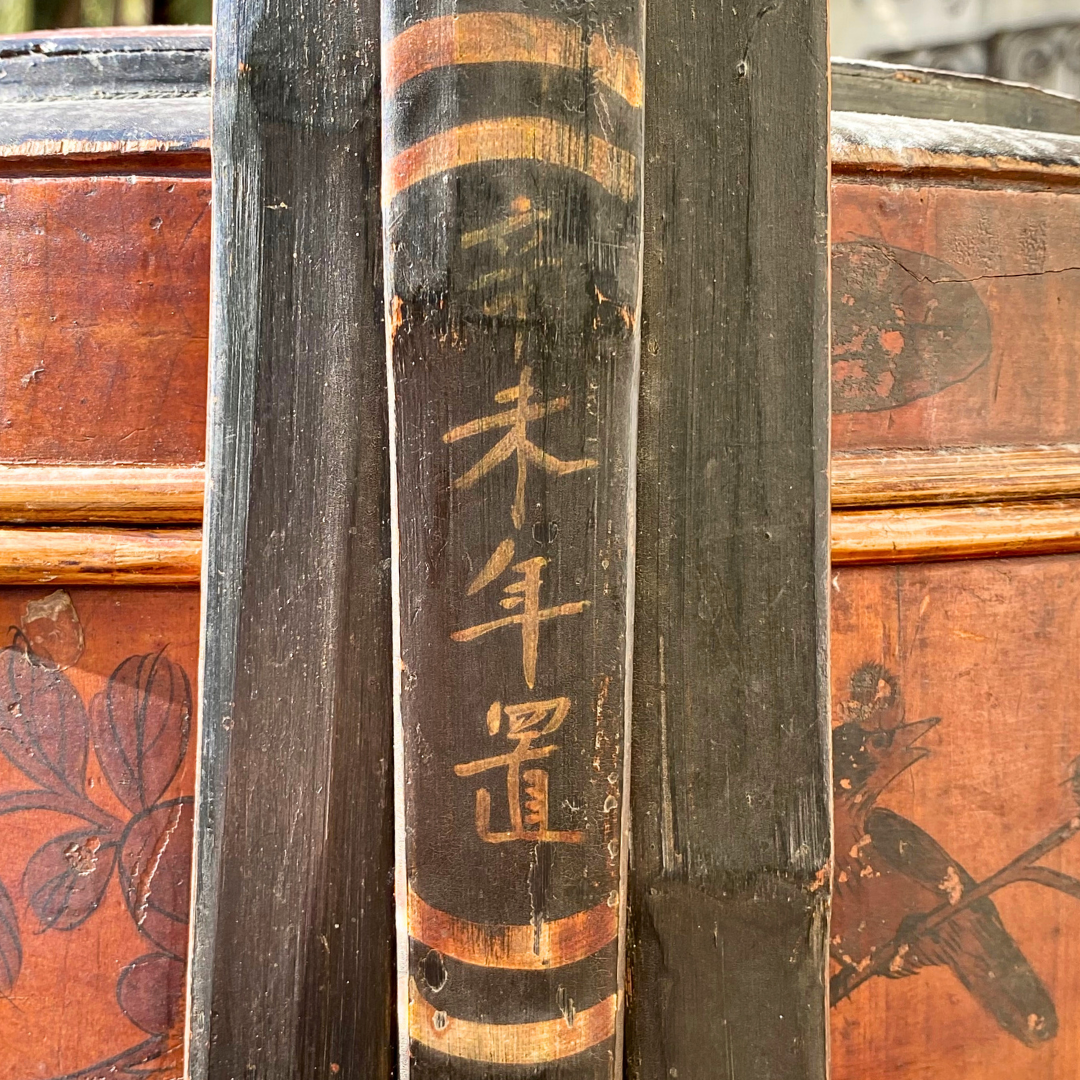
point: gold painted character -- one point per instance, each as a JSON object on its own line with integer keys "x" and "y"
{"x": 526, "y": 725}
{"x": 515, "y": 441}
{"x": 524, "y": 594}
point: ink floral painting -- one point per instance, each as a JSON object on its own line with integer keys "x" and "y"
{"x": 96, "y": 810}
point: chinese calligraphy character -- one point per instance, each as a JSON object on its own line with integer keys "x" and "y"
{"x": 515, "y": 441}
{"x": 528, "y": 821}
{"x": 523, "y": 218}
{"x": 524, "y": 594}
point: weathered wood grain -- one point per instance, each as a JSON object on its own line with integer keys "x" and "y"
{"x": 956, "y": 698}
{"x": 100, "y": 556}
{"x": 729, "y": 900}
{"x": 512, "y": 204}
{"x": 97, "y": 772}
{"x": 292, "y": 970}
{"x": 956, "y": 475}
{"x": 143, "y": 494}
{"x": 103, "y": 318}
{"x": 956, "y": 312}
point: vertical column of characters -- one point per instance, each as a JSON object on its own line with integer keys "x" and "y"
{"x": 511, "y": 205}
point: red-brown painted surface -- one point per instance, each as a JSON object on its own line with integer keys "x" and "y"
{"x": 956, "y": 316}
{"x": 104, "y": 302}
{"x": 97, "y": 767}
{"x": 959, "y": 681}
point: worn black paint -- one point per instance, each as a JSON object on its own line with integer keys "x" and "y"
{"x": 730, "y": 794}
{"x": 556, "y": 292}
{"x": 293, "y": 964}
{"x": 871, "y": 87}
{"x": 46, "y": 66}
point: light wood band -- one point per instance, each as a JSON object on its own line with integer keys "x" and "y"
{"x": 152, "y": 494}
{"x": 982, "y": 530}
{"x": 86, "y": 493}
{"x": 999, "y": 487}
{"x": 533, "y": 1043}
{"x": 979, "y": 474}
{"x": 518, "y": 948}
{"x": 100, "y": 556}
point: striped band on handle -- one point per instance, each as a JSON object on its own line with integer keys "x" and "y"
{"x": 511, "y": 194}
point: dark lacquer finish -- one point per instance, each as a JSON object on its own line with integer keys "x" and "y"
{"x": 293, "y": 962}
{"x": 512, "y": 207}
{"x": 730, "y": 780}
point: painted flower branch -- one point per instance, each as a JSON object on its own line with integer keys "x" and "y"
{"x": 138, "y": 728}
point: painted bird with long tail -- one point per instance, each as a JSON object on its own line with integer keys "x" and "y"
{"x": 889, "y": 873}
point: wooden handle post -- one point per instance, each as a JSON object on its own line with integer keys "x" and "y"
{"x": 512, "y": 157}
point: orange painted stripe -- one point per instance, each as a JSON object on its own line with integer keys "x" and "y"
{"x": 510, "y": 1044}
{"x": 561, "y": 941}
{"x": 514, "y": 138}
{"x": 492, "y": 37}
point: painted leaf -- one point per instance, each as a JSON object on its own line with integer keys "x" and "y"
{"x": 163, "y": 1055}
{"x": 150, "y": 991}
{"x": 905, "y": 326}
{"x": 141, "y": 722}
{"x": 66, "y": 878}
{"x": 155, "y": 872}
{"x": 10, "y": 943}
{"x": 43, "y": 725}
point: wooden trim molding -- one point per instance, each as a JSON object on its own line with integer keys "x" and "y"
{"x": 71, "y": 95}
{"x": 978, "y": 474}
{"x": 91, "y": 493}
{"x": 100, "y": 556}
{"x": 869, "y": 86}
{"x": 863, "y": 142}
{"x": 891, "y": 506}
{"x": 154, "y": 494}
{"x": 982, "y": 530}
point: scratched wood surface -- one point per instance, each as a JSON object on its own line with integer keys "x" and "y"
{"x": 97, "y": 771}
{"x": 730, "y": 784}
{"x": 293, "y": 958}
{"x": 956, "y": 734}
{"x": 511, "y": 193}
{"x": 103, "y": 317}
{"x": 956, "y": 311}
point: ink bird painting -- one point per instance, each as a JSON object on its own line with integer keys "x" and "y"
{"x": 955, "y": 931}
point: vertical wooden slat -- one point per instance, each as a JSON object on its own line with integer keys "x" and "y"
{"x": 511, "y": 192}
{"x": 730, "y": 888}
{"x": 292, "y": 967}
